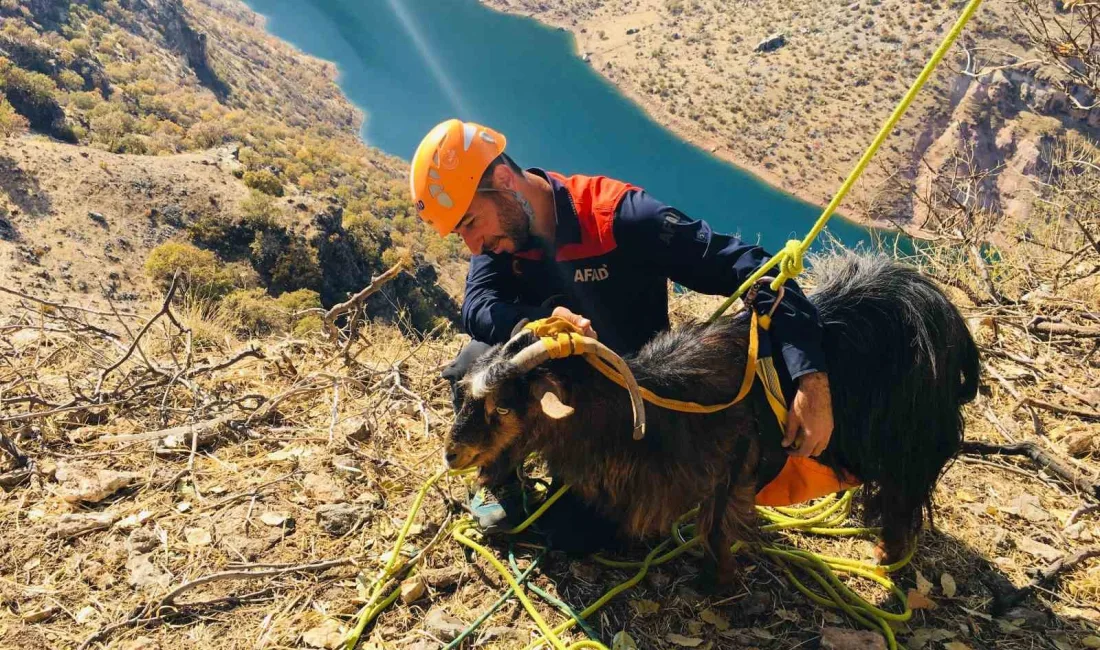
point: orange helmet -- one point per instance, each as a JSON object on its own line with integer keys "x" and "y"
{"x": 446, "y": 169}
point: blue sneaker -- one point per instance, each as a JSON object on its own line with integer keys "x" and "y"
{"x": 499, "y": 508}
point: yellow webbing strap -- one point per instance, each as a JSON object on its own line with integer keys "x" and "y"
{"x": 563, "y": 339}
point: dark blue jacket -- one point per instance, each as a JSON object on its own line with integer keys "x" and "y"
{"x": 616, "y": 248}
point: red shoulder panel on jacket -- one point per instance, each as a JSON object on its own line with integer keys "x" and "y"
{"x": 595, "y": 199}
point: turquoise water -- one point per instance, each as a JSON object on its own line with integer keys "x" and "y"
{"x": 409, "y": 64}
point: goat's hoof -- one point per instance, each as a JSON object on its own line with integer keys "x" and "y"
{"x": 886, "y": 555}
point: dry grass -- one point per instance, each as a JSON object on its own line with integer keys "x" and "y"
{"x": 303, "y": 430}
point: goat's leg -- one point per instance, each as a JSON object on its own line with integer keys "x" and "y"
{"x": 728, "y": 516}
{"x": 901, "y": 515}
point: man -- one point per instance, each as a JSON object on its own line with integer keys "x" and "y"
{"x": 599, "y": 252}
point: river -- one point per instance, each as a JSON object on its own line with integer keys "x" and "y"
{"x": 409, "y": 64}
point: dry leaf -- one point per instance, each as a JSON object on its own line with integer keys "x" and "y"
{"x": 623, "y": 641}
{"x": 917, "y": 600}
{"x": 955, "y": 645}
{"x": 786, "y": 615}
{"x": 965, "y": 497}
{"x": 1038, "y": 549}
{"x": 645, "y": 607}
{"x": 1028, "y": 507}
{"x": 712, "y": 617}
{"x": 947, "y": 583}
{"x": 923, "y": 585}
{"x": 684, "y": 641}
{"x": 1091, "y": 641}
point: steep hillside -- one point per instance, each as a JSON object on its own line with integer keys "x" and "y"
{"x": 185, "y": 120}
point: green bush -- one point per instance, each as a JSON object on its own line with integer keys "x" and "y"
{"x": 264, "y": 181}
{"x": 200, "y": 271}
{"x": 260, "y": 211}
{"x": 11, "y": 123}
{"x": 308, "y": 325}
{"x": 256, "y": 312}
{"x": 70, "y": 80}
{"x": 300, "y": 300}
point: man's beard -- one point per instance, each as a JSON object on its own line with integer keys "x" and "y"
{"x": 515, "y": 223}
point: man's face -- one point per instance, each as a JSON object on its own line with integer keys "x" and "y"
{"x": 495, "y": 223}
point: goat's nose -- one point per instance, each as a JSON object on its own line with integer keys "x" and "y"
{"x": 450, "y": 457}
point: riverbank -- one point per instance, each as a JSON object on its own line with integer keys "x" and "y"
{"x": 798, "y": 117}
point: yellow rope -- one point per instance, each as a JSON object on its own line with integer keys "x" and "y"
{"x": 790, "y": 258}
{"x": 790, "y": 263}
{"x": 562, "y": 339}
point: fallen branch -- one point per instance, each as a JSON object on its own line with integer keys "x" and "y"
{"x": 1006, "y": 601}
{"x": 1081, "y": 413}
{"x": 1040, "y": 457}
{"x": 355, "y": 301}
{"x": 170, "y": 598}
{"x": 1048, "y": 329}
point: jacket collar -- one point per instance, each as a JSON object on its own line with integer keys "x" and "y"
{"x": 568, "y": 226}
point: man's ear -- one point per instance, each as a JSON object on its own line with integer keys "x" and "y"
{"x": 549, "y": 394}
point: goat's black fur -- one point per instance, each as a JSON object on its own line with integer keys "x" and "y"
{"x": 901, "y": 362}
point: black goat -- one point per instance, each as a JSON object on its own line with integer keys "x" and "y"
{"x": 901, "y": 363}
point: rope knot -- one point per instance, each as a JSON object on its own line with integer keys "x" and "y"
{"x": 790, "y": 266}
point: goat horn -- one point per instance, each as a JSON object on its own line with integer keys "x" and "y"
{"x": 636, "y": 403}
{"x": 536, "y": 354}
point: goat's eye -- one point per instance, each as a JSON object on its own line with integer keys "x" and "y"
{"x": 503, "y": 411}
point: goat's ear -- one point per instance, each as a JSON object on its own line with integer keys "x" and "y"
{"x": 548, "y": 392}
{"x": 552, "y": 406}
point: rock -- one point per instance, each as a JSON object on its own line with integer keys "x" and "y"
{"x": 322, "y": 488}
{"x": 771, "y": 43}
{"x": 143, "y": 573}
{"x": 72, "y": 525}
{"x": 339, "y": 519}
{"x": 442, "y": 624}
{"x": 97, "y": 575}
{"x": 276, "y": 519}
{"x": 835, "y": 638}
{"x": 142, "y": 540}
{"x": 197, "y": 536}
{"x": 98, "y": 218}
{"x": 413, "y": 589}
{"x": 79, "y": 482}
{"x": 370, "y": 499}
{"x": 444, "y": 577}
{"x": 327, "y": 635}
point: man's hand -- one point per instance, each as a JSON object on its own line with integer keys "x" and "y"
{"x": 576, "y": 319}
{"x": 810, "y": 420}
